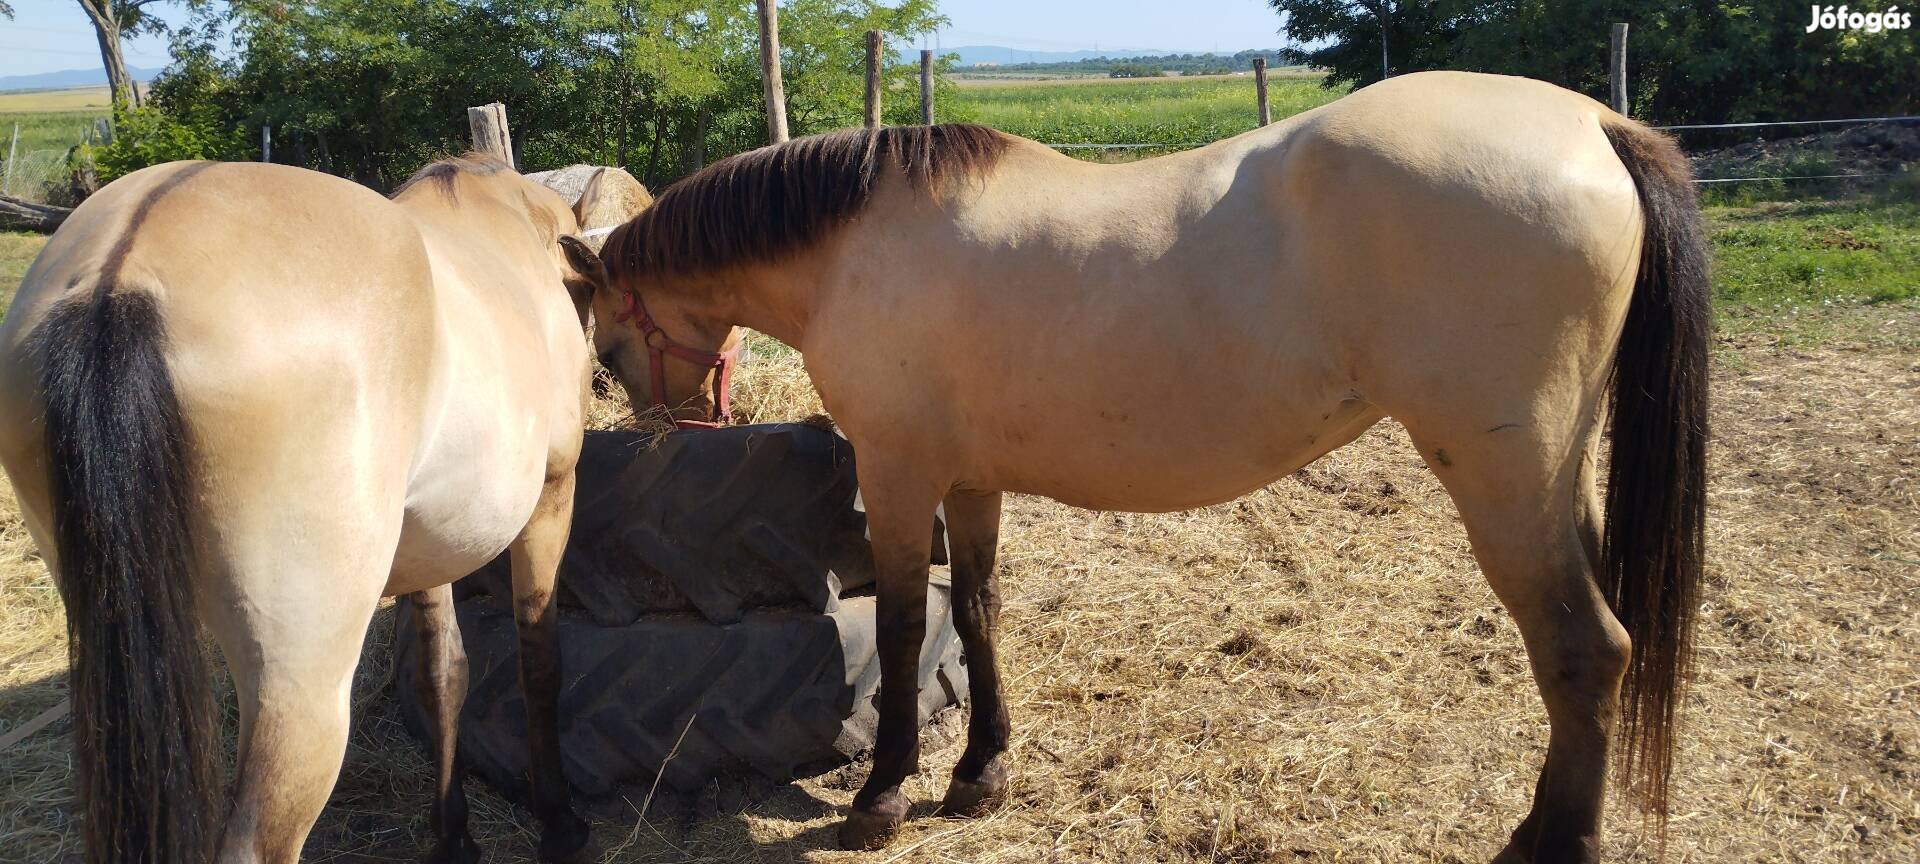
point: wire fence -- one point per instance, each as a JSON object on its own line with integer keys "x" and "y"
{"x": 1190, "y": 145}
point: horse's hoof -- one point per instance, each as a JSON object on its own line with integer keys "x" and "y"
{"x": 462, "y": 851}
{"x": 569, "y": 841}
{"x": 977, "y": 797}
{"x": 1513, "y": 855}
{"x": 874, "y": 827}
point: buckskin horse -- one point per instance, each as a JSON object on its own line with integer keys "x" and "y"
{"x": 1502, "y": 266}
{"x": 260, "y": 398}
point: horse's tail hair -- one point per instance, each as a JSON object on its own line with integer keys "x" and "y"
{"x": 119, "y": 477}
{"x": 1656, "y": 485}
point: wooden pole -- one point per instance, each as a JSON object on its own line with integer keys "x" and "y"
{"x": 926, "y": 87}
{"x": 1260, "y": 87}
{"x": 6, "y": 186}
{"x": 772, "y": 88}
{"x": 488, "y": 123}
{"x": 1617, "y": 68}
{"x": 874, "y": 43}
{"x": 266, "y": 143}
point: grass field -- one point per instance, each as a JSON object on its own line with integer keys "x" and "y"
{"x": 50, "y": 123}
{"x": 94, "y": 99}
{"x": 1172, "y": 112}
{"x": 1316, "y": 672}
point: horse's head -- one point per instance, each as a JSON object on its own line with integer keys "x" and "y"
{"x": 662, "y": 351}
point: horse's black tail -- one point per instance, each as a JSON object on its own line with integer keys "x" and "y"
{"x": 1656, "y": 486}
{"x": 118, "y": 477}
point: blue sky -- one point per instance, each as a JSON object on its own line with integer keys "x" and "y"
{"x": 49, "y": 35}
{"x": 1071, "y": 25}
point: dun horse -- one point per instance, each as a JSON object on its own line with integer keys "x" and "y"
{"x": 259, "y": 399}
{"x": 1498, "y": 264}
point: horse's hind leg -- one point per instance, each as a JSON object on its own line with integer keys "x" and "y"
{"x": 980, "y": 778}
{"x": 536, "y": 563}
{"x": 293, "y": 674}
{"x": 442, "y": 682}
{"x": 1527, "y": 498}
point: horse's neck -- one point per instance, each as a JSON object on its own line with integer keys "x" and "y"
{"x": 776, "y": 300}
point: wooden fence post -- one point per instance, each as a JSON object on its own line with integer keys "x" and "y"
{"x": 875, "y": 42}
{"x": 266, "y": 143}
{"x": 488, "y": 123}
{"x": 772, "y": 87}
{"x": 926, "y": 87}
{"x": 6, "y": 186}
{"x": 1260, "y": 87}
{"x": 1617, "y": 68}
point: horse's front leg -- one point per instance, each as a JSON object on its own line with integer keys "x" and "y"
{"x": 973, "y": 528}
{"x": 536, "y": 563}
{"x": 898, "y": 513}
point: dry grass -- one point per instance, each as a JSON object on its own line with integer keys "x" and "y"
{"x": 1314, "y": 672}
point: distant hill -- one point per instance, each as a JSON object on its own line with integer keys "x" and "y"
{"x": 999, "y": 55}
{"x": 67, "y": 78}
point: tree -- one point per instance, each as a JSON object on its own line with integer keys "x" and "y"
{"x": 1706, "y": 61}
{"x": 113, "y": 20}
{"x": 371, "y": 89}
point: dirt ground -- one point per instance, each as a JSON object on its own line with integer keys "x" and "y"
{"x": 1316, "y": 672}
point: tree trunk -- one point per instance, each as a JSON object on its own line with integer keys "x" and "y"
{"x": 18, "y": 215}
{"x": 626, "y": 102}
{"x": 659, "y": 133}
{"x": 106, "y": 29}
{"x": 693, "y": 147}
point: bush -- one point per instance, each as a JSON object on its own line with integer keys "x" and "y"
{"x": 145, "y": 135}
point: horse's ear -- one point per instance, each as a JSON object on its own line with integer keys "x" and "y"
{"x": 590, "y": 274}
{"x": 589, "y": 195}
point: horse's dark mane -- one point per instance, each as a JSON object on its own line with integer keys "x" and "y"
{"x": 442, "y": 173}
{"x": 762, "y": 205}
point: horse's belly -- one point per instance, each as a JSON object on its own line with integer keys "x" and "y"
{"x": 470, "y": 498}
{"x": 1170, "y": 464}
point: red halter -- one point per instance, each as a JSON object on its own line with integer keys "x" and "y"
{"x": 657, "y": 349}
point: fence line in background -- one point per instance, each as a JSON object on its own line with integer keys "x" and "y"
{"x": 1755, "y": 125}
{"x": 1799, "y": 177}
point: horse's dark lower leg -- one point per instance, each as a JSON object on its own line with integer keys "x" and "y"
{"x": 901, "y": 552}
{"x": 980, "y": 777}
{"x": 536, "y": 555}
{"x": 1533, "y": 534}
{"x": 442, "y": 683}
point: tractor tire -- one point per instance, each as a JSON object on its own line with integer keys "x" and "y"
{"x": 710, "y": 522}
{"x": 705, "y": 626}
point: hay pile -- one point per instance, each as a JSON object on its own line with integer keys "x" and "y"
{"x": 1316, "y": 672}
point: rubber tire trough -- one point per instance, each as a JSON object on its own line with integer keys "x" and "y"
{"x": 716, "y": 605}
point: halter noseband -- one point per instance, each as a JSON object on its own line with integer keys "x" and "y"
{"x": 659, "y": 345}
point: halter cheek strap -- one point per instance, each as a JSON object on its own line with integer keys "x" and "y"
{"x": 660, "y": 346}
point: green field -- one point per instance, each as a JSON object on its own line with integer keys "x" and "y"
{"x": 1173, "y": 113}
{"x": 50, "y": 122}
